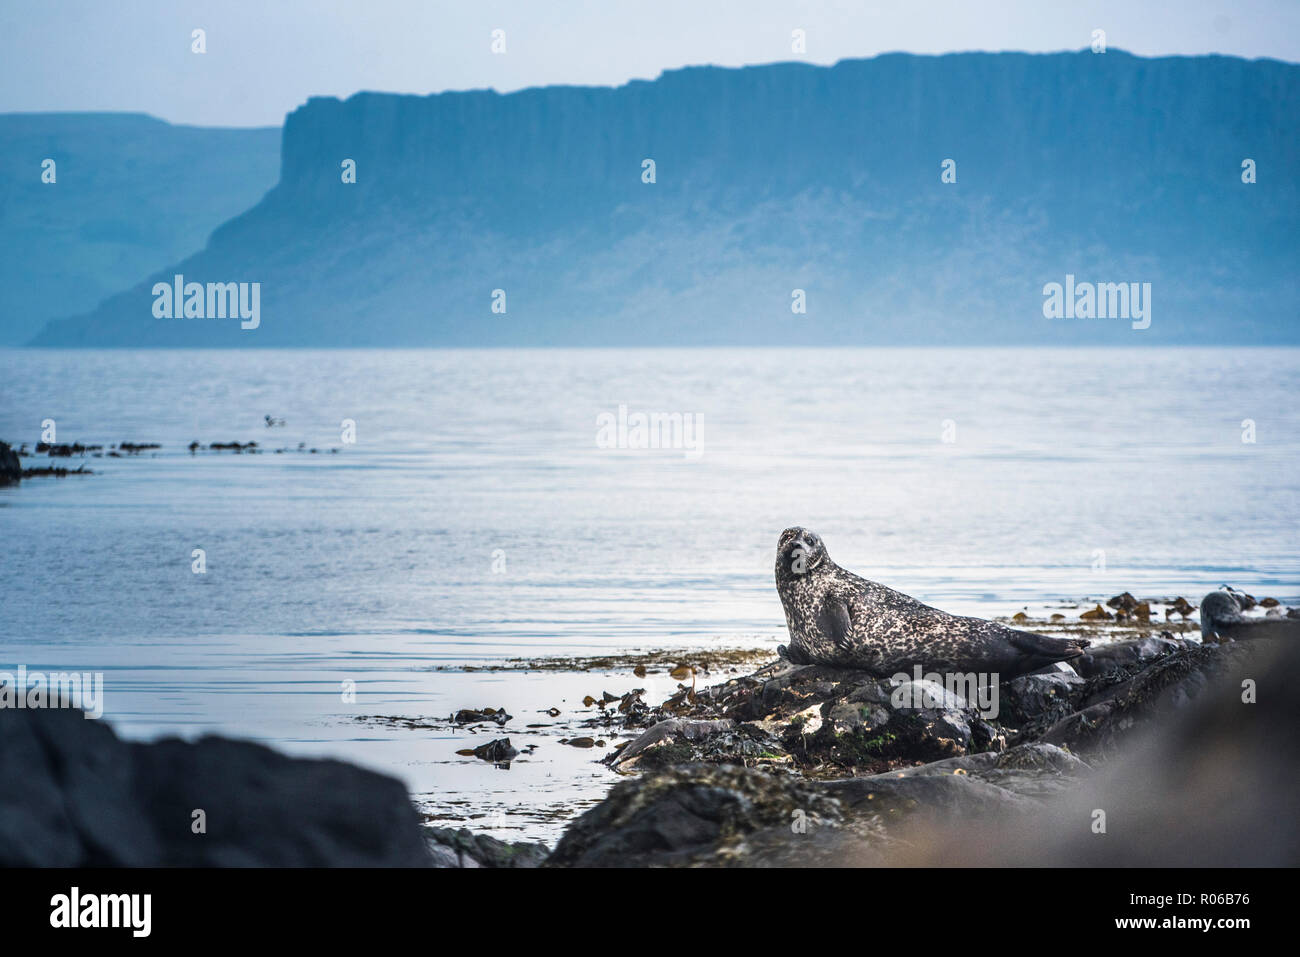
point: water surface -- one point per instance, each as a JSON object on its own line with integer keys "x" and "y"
{"x": 476, "y": 518}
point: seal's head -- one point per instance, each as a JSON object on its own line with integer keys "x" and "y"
{"x": 798, "y": 551}
{"x": 1218, "y": 608}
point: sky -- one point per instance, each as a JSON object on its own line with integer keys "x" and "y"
{"x": 265, "y": 57}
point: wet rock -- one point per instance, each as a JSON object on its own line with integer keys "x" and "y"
{"x": 55, "y": 472}
{"x": 495, "y": 716}
{"x": 234, "y": 447}
{"x": 65, "y": 450}
{"x": 86, "y": 798}
{"x": 679, "y": 741}
{"x": 499, "y": 751}
{"x": 666, "y": 732}
{"x": 683, "y": 815}
{"x": 1207, "y": 786}
{"x": 11, "y": 468}
{"x": 1097, "y": 614}
{"x": 450, "y": 847}
{"x": 1031, "y": 770}
{"x": 1038, "y": 698}
{"x": 1126, "y": 655}
{"x": 849, "y": 717}
{"x": 1117, "y": 704}
{"x": 1064, "y": 728}
{"x": 733, "y": 816}
{"x": 1124, "y": 602}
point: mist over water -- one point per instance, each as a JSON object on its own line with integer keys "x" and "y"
{"x": 375, "y": 563}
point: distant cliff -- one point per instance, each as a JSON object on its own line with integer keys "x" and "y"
{"x": 1105, "y": 167}
{"x": 130, "y": 195}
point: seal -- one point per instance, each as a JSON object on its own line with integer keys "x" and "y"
{"x": 838, "y": 618}
{"x": 1222, "y": 620}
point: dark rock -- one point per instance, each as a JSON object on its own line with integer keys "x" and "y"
{"x": 1030, "y": 770}
{"x": 1126, "y": 655}
{"x": 734, "y": 816}
{"x": 1208, "y": 786}
{"x": 55, "y": 472}
{"x": 1039, "y": 698}
{"x": 463, "y": 848}
{"x": 499, "y": 751}
{"x": 667, "y": 732}
{"x": 687, "y": 815}
{"x": 1117, "y": 705}
{"x": 11, "y": 469}
{"x": 65, "y": 451}
{"x": 495, "y": 716}
{"x": 233, "y": 446}
{"x": 1124, "y": 602}
{"x": 75, "y": 795}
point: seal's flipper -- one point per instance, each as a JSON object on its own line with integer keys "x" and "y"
{"x": 833, "y": 621}
{"x": 793, "y": 655}
{"x": 1036, "y": 651}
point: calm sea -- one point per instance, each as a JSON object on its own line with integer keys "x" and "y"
{"x": 477, "y": 517}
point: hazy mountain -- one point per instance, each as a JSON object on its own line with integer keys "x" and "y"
{"x": 131, "y": 194}
{"x": 1112, "y": 168}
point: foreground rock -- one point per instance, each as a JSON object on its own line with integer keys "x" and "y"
{"x": 722, "y": 815}
{"x": 73, "y": 794}
{"x": 1202, "y": 777}
{"x": 817, "y": 765}
{"x": 464, "y": 848}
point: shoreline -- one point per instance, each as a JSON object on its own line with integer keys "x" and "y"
{"x": 738, "y": 769}
{"x": 624, "y": 695}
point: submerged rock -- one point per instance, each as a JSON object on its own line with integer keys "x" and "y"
{"x": 499, "y": 752}
{"x": 495, "y": 716}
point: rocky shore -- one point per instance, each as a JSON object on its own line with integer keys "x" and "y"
{"x": 1155, "y": 750}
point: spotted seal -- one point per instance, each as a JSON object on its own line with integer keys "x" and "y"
{"x": 837, "y": 618}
